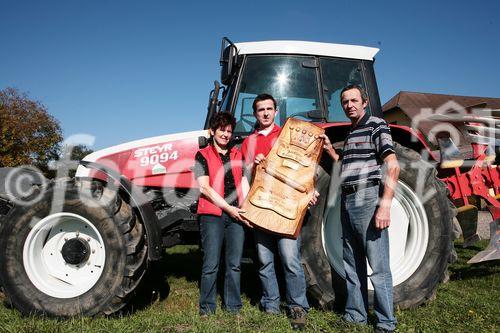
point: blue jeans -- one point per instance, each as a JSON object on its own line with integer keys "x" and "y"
{"x": 363, "y": 241}
{"x": 214, "y": 230}
{"x": 289, "y": 251}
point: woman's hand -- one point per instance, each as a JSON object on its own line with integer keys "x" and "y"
{"x": 235, "y": 212}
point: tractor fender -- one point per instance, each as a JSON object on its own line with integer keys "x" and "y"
{"x": 139, "y": 201}
{"x": 16, "y": 182}
{"x": 412, "y": 139}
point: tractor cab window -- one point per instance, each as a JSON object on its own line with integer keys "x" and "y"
{"x": 288, "y": 79}
{"x": 337, "y": 74}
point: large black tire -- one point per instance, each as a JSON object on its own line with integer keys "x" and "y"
{"x": 4, "y": 208}
{"x": 420, "y": 190}
{"x": 318, "y": 271}
{"x": 99, "y": 226}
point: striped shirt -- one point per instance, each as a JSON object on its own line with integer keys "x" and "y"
{"x": 365, "y": 147}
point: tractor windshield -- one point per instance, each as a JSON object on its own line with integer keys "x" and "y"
{"x": 291, "y": 81}
{"x": 336, "y": 75}
{"x": 295, "y": 84}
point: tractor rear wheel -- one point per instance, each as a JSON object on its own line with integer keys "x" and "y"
{"x": 78, "y": 250}
{"x": 420, "y": 237}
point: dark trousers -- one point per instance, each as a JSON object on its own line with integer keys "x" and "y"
{"x": 214, "y": 231}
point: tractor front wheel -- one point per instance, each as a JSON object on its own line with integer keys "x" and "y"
{"x": 78, "y": 250}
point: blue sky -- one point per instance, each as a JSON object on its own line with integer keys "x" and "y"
{"x": 125, "y": 70}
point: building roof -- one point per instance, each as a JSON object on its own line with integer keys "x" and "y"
{"x": 420, "y": 107}
{"x": 308, "y": 48}
{"x": 413, "y": 102}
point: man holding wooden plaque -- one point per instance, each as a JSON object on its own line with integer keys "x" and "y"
{"x": 283, "y": 186}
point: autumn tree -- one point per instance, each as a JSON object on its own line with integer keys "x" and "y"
{"x": 29, "y": 135}
{"x": 77, "y": 153}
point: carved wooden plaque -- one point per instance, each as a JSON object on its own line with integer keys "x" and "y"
{"x": 284, "y": 183}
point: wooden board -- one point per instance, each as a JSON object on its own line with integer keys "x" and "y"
{"x": 284, "y": 183}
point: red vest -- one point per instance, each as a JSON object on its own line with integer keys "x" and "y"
{"x": 216, "y": 178}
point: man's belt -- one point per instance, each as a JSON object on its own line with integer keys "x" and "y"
{"x": 350, "y": 189}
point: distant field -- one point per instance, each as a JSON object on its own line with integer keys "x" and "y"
{"x": 469, "y": 302}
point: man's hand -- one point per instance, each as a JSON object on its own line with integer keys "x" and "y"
{"x": 314, "y": 198}
{"x": 383, "y": 214}
{"x": 383, "y": 217}
{"x": 328, "y": 147}
{"x": 259, "y": 158}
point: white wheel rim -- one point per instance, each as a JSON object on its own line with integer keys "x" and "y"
{"x": 408, "y": 235}
{"x": 45, "y": 265}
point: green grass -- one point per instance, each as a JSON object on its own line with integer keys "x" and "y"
{"x": 469, "y": 302}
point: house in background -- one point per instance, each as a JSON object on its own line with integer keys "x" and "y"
{"x": 415, "y": 109}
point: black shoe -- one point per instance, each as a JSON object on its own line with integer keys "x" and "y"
{"x": 382, "y": 330}
{"x": 298, "y": 318}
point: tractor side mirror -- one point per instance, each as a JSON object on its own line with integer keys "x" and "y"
{"x": 228, "y": 60}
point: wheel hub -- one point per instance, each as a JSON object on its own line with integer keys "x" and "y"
{"x": 64, "y": 255}
{"x": 75, "y": 251}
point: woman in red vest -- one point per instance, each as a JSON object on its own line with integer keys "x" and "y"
{"x": 223, "y": 186}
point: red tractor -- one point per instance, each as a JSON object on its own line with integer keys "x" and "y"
{"x": 83, "y": 245}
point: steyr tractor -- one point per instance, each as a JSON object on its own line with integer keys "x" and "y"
{"x": 82, "y": 245}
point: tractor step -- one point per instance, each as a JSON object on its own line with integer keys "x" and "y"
{"x": 467, "y": 218}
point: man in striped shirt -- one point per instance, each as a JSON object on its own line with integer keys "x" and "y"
{"x": 366, "y": 202}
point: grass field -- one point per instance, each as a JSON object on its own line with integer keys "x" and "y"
{"x": 469, "y": 302}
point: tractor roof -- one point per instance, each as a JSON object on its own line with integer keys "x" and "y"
{"x": 308, "y": 48}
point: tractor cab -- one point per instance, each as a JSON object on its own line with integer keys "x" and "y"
{"x": 305, "y": 78}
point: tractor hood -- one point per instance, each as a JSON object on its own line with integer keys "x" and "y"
{"x": 165, "y": 160}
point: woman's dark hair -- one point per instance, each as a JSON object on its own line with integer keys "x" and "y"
{"x": 222, "y": 119}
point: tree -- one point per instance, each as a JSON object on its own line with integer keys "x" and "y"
{"x": 77, "y": 153}
{"x": 29, "y": 135}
